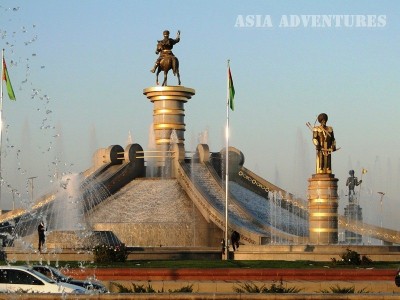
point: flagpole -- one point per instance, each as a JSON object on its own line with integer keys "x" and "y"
{"x": 359, "y": 192}
{"x": 227, "y": 166}
{"x": 1, "y": 122}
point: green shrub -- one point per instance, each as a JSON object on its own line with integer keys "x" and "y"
{"x": 105, "y": 253}
{"x": 136, "y": 288}
{"x": 184, "y": 289}
{"x": 343, "y": 290}
{"x": 351, "y": 257}
{"x": 141, "y": 288}
{"x": 248, "y": 288}
{"x": 279, "y": 288}
{"x": 121, "y": 288}
{"x": 273, "y": 289}
{"x": 365, "y": 260}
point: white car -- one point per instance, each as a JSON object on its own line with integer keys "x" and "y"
{"x": 21, "y": 279}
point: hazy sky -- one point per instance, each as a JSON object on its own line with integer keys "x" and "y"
{"x": 79, "y": 69}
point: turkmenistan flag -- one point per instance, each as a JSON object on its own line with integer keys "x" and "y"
{"x": 6, "y": 78}
{"x": 231, "y": 90}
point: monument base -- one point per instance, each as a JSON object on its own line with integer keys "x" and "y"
{"x": 168, "y": 119}
{"x": 323, "y": 209}
{"x": 353, "y": 212}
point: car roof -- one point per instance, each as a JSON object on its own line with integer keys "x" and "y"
{"x": 27, "y": 269}
{"x": 15, "y": 267}
{"x": 43, "y": 266}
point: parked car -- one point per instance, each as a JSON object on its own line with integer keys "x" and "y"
{"x": 15, "y": 279}
{"x": 57, "y": 275}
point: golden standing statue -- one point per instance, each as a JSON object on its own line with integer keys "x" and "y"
{"x": 325, "y": 144}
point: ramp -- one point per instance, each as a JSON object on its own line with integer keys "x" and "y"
{"x": 206, "y": 190}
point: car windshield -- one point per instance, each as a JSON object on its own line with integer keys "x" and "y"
{"x": 41, "y": 276}
{"x": 57, "y": 272}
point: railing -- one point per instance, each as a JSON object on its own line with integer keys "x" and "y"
{"x": 162, "y": 154}
{"x": 289, "y": 199}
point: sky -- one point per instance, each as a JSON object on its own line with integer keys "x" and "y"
{"x": 79, "y": 68}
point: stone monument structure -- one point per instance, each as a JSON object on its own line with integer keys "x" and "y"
{"x": 322, "y": 188}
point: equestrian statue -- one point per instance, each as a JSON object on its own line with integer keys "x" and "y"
{"x": 166, "y": 60}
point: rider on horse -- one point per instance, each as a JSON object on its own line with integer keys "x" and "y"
{"x": 166, "y": 47}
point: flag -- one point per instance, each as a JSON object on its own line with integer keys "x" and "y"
{"x": 5, "y": 77}
{"x": 231, "y": 89}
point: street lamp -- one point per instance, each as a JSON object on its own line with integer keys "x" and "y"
{"x": 31, "y": 179}
{"x": 382, "y": 194}
{"x": 13, "y": 195}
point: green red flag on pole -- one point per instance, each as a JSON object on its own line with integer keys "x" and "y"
{"x": 231, "y": 89}
{"x": 6, "y": 78}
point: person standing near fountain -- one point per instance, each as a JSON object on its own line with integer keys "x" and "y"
{"x": 235, "y": 238}
{"x": 42, "y": 237}
{"x": 325, "y": 144}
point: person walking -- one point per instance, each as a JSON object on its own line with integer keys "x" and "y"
{"x": 42, "y": 237}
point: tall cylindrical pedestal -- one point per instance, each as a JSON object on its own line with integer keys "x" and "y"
{"x": 323, "y": 209}
{"x": 168, "y": 115}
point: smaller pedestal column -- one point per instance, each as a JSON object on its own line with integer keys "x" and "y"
{"x": 353, "y": 212}
{"x": 323, "y": 209}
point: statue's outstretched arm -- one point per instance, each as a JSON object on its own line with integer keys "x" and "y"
{"x": 178, "y": 37}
